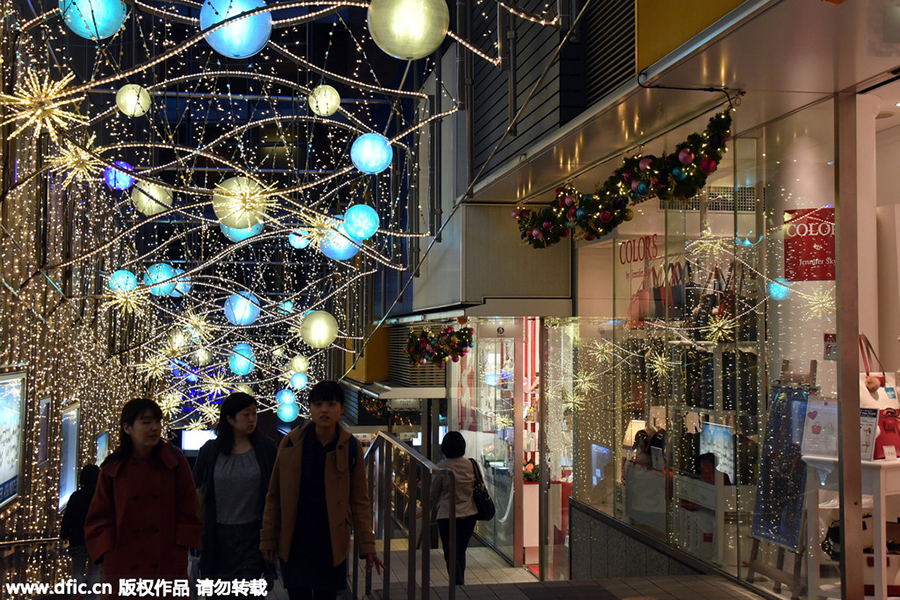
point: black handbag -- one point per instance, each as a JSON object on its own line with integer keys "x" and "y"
{"x": 483, "y": 501}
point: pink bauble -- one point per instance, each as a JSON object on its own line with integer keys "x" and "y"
{"x": 627, "y": 176}
{"x": 571, "y": 213}
{"x": 515, "y": 214}
{"x": 645, "y": 163}
{"x": 606, "y": 216}
{"x": 423, "y": 361}
{"x": 685, "y": 156}
{"x": 537, "y": 233}
{"x": 707, "y": 165}
{"x": 456, "y": 358}
{"x": 570, "y": 200}
{"x": 634, "y": 185}
{"x": 548, "y": 225}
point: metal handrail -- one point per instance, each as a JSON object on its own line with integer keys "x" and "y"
{"x": 418, "y": 472}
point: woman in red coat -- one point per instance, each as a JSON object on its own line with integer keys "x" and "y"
{"x": 144, "y": 515}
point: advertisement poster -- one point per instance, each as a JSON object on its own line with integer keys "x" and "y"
{"x": 809, "y": 253}
{"x": 12, "y": 420}
{"x": 820, "y": 432}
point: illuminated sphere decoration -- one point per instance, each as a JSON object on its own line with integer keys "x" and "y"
{"x": 371, "y": 153}
{"x": 239, "y": 235}
{"x": 239, "y": 202}
{"x": 319, "y": 329}
{"x": 324, "y": 100}
{"x": 122, "y": 281}
{"x": 286, "y": 307}
{"x": 151, "y": 199}
{"x": 337, "y": 245}
{"x": 285, "y": 397}
{"x": 117, "y": 178}
{"x": 361, "y": 221}
{"x": 288, "y": 413}
{"x": 93, "y": 19}
{"x": 299, "y": 239}
{"x": 242, "y": 360}
{"x": 242, "y": 308}
{"x": 241, "y": 38}
{"x": 299, "y": 380}
{"x": 779, "y": 288}
{"x": 202, "y": 357}
{"x": 299, "y": 364}
{"x": 156, "y": 275}
{"x": 182, "y": 285}
{"x": 408, "y": 29}
{"x": 133, "y": 100}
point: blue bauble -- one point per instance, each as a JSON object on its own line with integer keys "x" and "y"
{"x": 361, "y": 221}
{"x": 337, "y": 245}
{"x": 288, "y": 412}
{"x": 642, "y": 188}
{"x": 93, "y": 19}
{"x": 242, "y": 308}
{"x": 239, "y": 235}
{"x": 242, "y": 360}
{"x": 182, "y": 285}
{"x": 286, "y": 397}
{"x": 158, "y": 273}
{"x": 122, "y": 281}
{"x": 241, "y": 38}
{"x": 634, "y": 195}
{"x": 117, "y": 179}
{"x": 371, "y": 153}
{"x": 580, "y": 214}
{"x": 299, "y": 239}
{"x": 299, "y": 380}
{"x": 779, "y": 288}
{"x": 679, "y": 174}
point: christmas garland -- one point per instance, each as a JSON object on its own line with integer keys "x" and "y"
{"x": 680, "y": 174}
{"x": 377, "y": 407}
{"x": 423, "y": 346}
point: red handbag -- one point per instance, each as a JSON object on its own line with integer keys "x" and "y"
{"x": 888, "y": 431}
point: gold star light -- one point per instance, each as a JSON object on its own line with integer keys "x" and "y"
{"x": 169, "y": 403}
{"x": 821, "y": 305}
{"x": 721, "y": 328}
{"x": 41, "y": 103}
{"x": 209, "y": 412}
{"x": 129, "y": 301}
{"x": 196, "y": 326}
{"x": 216, "y": 384}
{"x": 155, "y": 366}
{"x": 660, "y": 365}
{"x": 76, "y": 160}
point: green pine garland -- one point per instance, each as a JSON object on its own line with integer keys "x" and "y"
{"x": 680, "y": 174}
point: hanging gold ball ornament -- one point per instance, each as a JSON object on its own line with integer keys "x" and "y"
{"x": 299, "y": 364}
{"x": 319, "y": 329}
{"x": 240, "y": 202}
{"x": 151, "y": 199}
{"x": 408, "y": 29}
{"x": 133, "y": 100}
{"x": 324, "y": 100}
{"x": 202, "y": 357}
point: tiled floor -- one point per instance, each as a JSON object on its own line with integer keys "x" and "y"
{"x": 489, "y": 577}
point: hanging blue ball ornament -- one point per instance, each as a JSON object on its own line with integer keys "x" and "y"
{"x": 239, "y": 235}
{"x": 299, "y": 380}
{"x": 679, "y": 174}
{"x": 779, "y": 288}
{"x": 299, "y": 239}
{"x": 93, "y": 19}
{"x": 242, "y": 360}
{"x": 634, "y": 195}
{"x": 286, "y": 307}
{"x": 642, "y": 188}
{"x": 117, "y": 178}
{"x": 241, "y": 38}
{"x": 182, "y": 285}
{"x": 371, "y": 153}
{"x": 122, "y": 281}
{"x": 580, "y": 214}
{"x": 337, "y": 245}
{"x": 285, "y": 397}
{"x": 158, "y": 273}
{"x": 288, "y": 413}
{"x": 361, "y": 221}
{"x": 242, "y": 308}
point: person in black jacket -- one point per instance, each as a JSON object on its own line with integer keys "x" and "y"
{"x": 72, "y": 528}
{"x": 232, "y": 473}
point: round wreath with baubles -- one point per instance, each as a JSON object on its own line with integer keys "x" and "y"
{"x": 423, "y": 346}
{"x": 680, "y": 174}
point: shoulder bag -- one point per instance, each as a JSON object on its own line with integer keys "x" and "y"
{"x": 483, "y": 501}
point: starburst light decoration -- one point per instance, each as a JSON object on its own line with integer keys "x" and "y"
{"x": 820, "y": 305}
{"x": 132, "y": 301}
{"x": 155, "y": 366}
{"x": 660, "y": 365}
{"x": 76, "y": 161}
{"x": 170, "y": 403}
{"x": 721, "y": 328}
{"x": 42, "y": 103}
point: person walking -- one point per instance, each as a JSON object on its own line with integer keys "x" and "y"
{"x": 143, "y": 518}
{"x": 84, "y": 570}
{"x": 453, "y": 447}
{"x": 232, "y": 473}
{"x": 318, "y": 488}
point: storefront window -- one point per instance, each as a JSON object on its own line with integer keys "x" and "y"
{"x": 703, "y": 350}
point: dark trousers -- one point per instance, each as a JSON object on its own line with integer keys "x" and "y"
{"x": 465, "y": 527}
{"x": 305, "y": 593}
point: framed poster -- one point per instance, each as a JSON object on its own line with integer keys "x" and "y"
{"x": 68, "y": 471}
{"x": 12, "y": 424}
{"x": 43, "y": 441}
{"x": 102, "y": 447}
